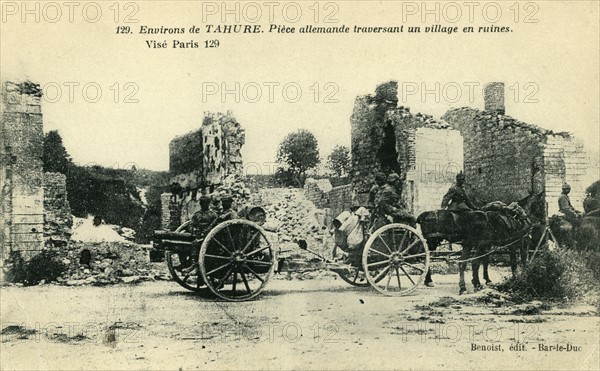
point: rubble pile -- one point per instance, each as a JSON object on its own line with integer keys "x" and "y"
{"x": 295, "y": 218}
{"x": 110, "y": 262}
{"x": 99, "y": 255}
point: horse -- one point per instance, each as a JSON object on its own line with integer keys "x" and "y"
{"x": 478, "y": 230}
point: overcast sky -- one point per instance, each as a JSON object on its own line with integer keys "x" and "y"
{"x": 554, "y": 61}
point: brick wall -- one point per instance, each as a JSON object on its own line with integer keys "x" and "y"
{"x": 57, "y": 212}
{"x": 324, "y": 196}
{"x": 21, "y": 178}
{"x": 503, "y": 157}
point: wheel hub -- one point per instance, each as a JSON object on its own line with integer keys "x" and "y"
{"x": 238, "y": 257}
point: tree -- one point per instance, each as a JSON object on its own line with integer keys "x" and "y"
{"x": 339, "y": 161}
{"x": 56, "y": 159}
{"x": 298, "y": 152}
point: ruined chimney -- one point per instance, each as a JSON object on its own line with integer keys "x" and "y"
{"x": 493, "y": 95}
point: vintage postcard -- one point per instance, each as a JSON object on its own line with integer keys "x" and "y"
{"x": 297, "y": 185}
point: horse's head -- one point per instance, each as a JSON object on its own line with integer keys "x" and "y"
{"x": 534, "y": 205}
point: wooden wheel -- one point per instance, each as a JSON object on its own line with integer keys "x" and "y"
{"x": 177, "y": 261}
{"x": 395, "y": 259}
{"x": 236, "y": 260}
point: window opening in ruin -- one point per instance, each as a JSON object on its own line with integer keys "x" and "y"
{"x": 387, "y": 155}
{"x": 479, "y": 170}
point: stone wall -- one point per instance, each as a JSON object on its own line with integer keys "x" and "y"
{"x": 503, "y": 157}
{"x": 206, "y": 156}
{"x": 333, "y": 199}
{"x": 507, "y": 159}
{"x": 389, "y": 138}
{"x": 21, "y": 177}
{"x": 57, "y": 212}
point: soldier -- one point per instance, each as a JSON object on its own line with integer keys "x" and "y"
{"x": 379, "y": 183}
{"x": 390, "y": 203}
{"x": 456, "y": 199}
{"x": 201, "y": 222}
{"x": 227, "y": 213}
{"x": 564, "y": 206}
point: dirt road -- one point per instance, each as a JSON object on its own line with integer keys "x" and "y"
{"x": 320, "y": 323}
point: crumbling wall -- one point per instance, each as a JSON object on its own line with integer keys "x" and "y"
{"x": 385, "y": 138}
{"x": 21, "y": 176}
{"x": 204, "y": 161}
{"x": 206, "y": 156}
{"x": 317, "y": 191}
{"x": 57, "y": 212}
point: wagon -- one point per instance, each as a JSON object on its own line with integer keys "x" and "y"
{"x": 236, "y": 259}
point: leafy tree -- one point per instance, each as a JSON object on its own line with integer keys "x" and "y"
{"x": 56, "y": 159}
{"x": 298, "y": 152}
{"x": 339, "y": 161}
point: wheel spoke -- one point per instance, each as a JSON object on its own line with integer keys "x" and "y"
{"x": 389, "y": 276}
{"x": 381, "y": 274}
{"x": 230, "y": 236}
{"x": 356, "y": 276}
{"x": 380, "y": 253}
{"x": 186, "y": 278}
{"x": 222, "y": 282}
{"x": 254, "y": 273}
{"x": 260, "y": 262}
{"x": 220, "y": 244}
{"x": 217, "y": 257}
{"x": 407, "y": 275}
{"x": 403, "y": 239}
{"x": 414, "y": 255}
{"x": 234, "y": 280}
{"x": 258, "y": 250}
{"x": 386, "y": 245}
{"x": 414, "y": 267}
{"x": 246, "y": 283}
{"x": 398, "y": 278}
{"x": 250, "y": 242}
{"x": 378, "y": 263}
{"x": 410, "y": 246}
{"x": 218, "y": 269}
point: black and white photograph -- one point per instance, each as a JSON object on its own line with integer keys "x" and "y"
{"x": 299, "y": 185}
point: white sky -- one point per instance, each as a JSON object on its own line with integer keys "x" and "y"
{"x": 559, "y": 55}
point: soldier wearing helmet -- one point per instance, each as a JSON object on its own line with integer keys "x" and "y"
{"x": 456, "y": 199}
{"x": 564, "y": 206}
{"x": 389, "y": 202}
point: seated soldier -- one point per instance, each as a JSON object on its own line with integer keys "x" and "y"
{"x": 572, "y": 215}
{"x": 200, "y": 225}
{"x": 456, "y": 199}
{"x": 389, "y": 202}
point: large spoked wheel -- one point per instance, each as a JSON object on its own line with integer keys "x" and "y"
{"x": 395, "y": 259}
{"x": 237, "y": 260}
{"x": 177, "y": 262}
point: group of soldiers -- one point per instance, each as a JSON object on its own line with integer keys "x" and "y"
{"x": 206, "y": 219}
{"x": 385, "y": 198}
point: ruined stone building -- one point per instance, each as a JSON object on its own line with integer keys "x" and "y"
{"x": 34, "y": 210}
{"x": 201, "y": 160}
{"x": 506, "y": 159}
{"x": 426, "y": 153}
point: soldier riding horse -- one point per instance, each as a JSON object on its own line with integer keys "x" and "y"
{"x": 496, "y": 224}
